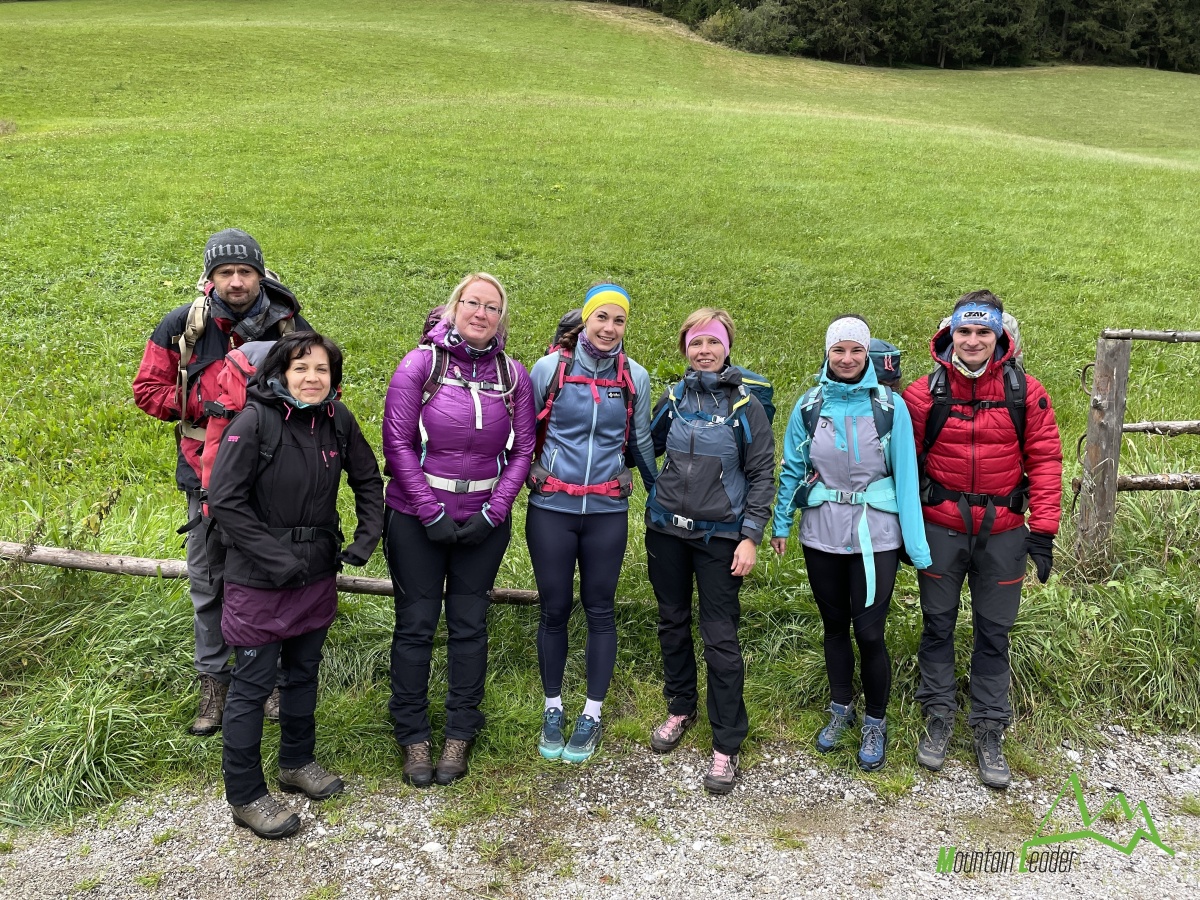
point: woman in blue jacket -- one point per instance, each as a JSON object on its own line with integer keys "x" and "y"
{"x": 850, "y": 466}
{"x": 593, "y": 407}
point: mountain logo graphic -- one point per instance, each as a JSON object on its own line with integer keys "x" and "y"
{"x": 1139, "y": 815}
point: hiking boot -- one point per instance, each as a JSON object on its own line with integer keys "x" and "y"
{"x": 666, "y": 737}
{"x": 841, "y": 719}
{"x": 418, "y": 763}
{"x": 266, "y": 817}
{"x": 721, "y": 774}
{"x": 212, "y": 706}
{"x": 585, "y": 739}
{"x": 939, "y": 728}
{"x": 453, "y": 764}
{"x": 550, "y": 742}
{"x": 993, "y": 770}
{"x": 311, "y": 779}
{"x": 873, "y": 751}
{"x": 271, "y": 707}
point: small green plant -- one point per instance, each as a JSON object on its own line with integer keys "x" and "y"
{"x": 149, "y": 879}
{"x": 87, "y": 884}
{"x": 786, "y": 839}
{"x": 85, "y": 850}
{"x": 163, "y": 836}
{"x": 6, "y": 846}
{"x": 324, "y": 892}
{"x": 1190, "y": 804}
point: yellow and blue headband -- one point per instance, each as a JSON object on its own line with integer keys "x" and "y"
{"x": 602, "y": 295}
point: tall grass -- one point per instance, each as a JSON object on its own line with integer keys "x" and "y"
{"x": 381, "y": 149}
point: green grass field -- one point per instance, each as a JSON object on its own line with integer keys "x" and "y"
{"x": 379, "y": 150}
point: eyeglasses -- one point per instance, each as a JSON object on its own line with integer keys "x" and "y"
{"x": 473, "y": 306}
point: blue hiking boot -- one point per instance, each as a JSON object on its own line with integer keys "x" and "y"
{"x": 873, "y": 751}
{"x": 841, "y": 719}
{"x": 584, "y": 739}
{"x": 551, "y": 743}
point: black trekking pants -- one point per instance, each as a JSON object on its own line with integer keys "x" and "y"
{"x": 673, "y": 563}
{"x": 423, "y": 573}
{"x": 994, "y": 577}
{"x": 294, "y": 663}
{"x": 839, "y": 585}
{"x": 557, "y": 541}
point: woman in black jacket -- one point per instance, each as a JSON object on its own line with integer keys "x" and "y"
{"x": 273, "y": 496}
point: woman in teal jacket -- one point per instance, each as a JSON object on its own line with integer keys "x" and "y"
{"x": 850, "y": 466}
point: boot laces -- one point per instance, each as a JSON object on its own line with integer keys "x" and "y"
{"x": 455, "y": 749}
{"x": 667, "y": 729}
{"x": 872, "y": 739}
{"x": 723, "y": 765}
{"x": 992, "y": 750}
{"x": 267, "y": 805}
{"x": 420, "y": 752}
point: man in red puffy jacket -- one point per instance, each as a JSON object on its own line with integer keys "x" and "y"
{"x": 240, "y": 302}
{"x": 990, "y": 453}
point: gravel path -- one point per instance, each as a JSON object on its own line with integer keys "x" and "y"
{"x": 634, "y": 824}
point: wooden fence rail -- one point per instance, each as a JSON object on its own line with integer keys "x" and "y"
{"x": 176, "y": 568}
{"x": 1101, "y": 480}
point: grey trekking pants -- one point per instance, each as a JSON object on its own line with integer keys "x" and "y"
{"x": 994, "y": 578}
{"x": 206, "y": 575}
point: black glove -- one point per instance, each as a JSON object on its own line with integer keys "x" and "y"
{"x": 441, "y": 530}
{"x": 1040, "y": 548}
{"x": 350, "y": 558}
{"x": 474, "y": 530}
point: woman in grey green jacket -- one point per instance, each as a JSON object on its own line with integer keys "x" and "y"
{"x": 704, "y": 520}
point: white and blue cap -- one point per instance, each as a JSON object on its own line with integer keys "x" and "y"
{"x": 976, "y": 313}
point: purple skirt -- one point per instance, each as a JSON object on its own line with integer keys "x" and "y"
{"x": 255, "y": 616}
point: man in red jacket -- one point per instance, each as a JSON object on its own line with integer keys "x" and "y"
{"x": 240, "y": 301}
{"x": 990, "y": 452}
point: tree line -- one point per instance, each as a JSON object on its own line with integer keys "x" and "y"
{"x": 1159, "y": 34}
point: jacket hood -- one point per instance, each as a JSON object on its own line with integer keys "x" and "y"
{"x": 832, "y": 387}
{"x": 941, "y": 346}
{"x": 440, "y": 335}
{"x": 729, "y": 376}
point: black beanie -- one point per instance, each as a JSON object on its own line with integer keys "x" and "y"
{"x": 232, "y": 246}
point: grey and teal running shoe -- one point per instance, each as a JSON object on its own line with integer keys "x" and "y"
{"x": 585, "y": 739}
{"x": 550, "y": 742}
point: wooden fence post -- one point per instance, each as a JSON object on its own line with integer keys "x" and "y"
{"x": 1106, "y": 415}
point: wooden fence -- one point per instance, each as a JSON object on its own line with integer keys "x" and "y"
{"x": 1101, "y": 479}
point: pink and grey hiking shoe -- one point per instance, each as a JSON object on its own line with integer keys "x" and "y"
{"x": 721, "y": 774}
{"x": 666, "y": 737}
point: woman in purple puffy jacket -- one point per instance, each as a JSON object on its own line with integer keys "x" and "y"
{"x": 458, "y": 435}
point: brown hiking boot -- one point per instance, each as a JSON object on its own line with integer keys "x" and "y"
{"x": 311, "y": 779}
{"x": 418, "y": 763}
{"x": 266, "y": 817}
{"x": 453, "y": 764}
{"x": 271, "y": 707}
{"x": 212, "y": 706}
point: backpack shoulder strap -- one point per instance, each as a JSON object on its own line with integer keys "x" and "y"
{"x": 341, "y": 424}
{"x": 883, "y": 410}
{"x": 193, "y": 328}
{"x": 439, "y": 363}
{"x": 1015, "y": 390}
{"x": 270, "y": 433}
{"x": 810, "y": 409}
{"x": 939, "y": 411}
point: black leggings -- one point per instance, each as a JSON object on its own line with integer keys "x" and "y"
{"x": 556, "y": 542}
{"x": 839, "y": 585}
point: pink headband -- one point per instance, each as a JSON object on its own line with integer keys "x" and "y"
{"x": 711, "y": 328}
